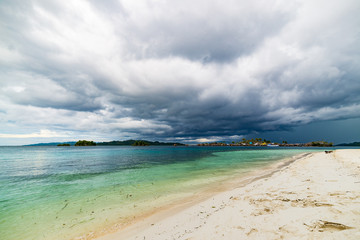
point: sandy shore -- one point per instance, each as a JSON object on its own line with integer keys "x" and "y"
{"x": 314, "y": 197}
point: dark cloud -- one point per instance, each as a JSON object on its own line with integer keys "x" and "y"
{"x": 202, "y": 31}
{"x": 185, "y": 70}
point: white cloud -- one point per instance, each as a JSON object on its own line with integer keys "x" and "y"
{"x": 44, "y": 133}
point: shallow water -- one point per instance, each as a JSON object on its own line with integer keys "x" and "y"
{"x": 67, "y": 192}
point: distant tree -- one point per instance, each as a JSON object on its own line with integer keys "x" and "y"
{"x": 321, "y": 144}
{"x": 140, "y": 143}
{"x": 83, "y": 143}
{"x": 63, "y": 145}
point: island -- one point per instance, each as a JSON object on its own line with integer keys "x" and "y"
{"x": 319, "y": 144}
{"x": 139, "y": 143}
{"x": 111, "y": 143}
{"x": 259, "y": 142}
{"x": 64, "y": 145}
{"x": 353, "y": 144}
{"x": 84, "y": 143}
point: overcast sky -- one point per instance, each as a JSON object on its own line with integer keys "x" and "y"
{"x": 185, "y": 71}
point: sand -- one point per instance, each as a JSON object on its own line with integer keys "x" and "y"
{"x": 314, "y": 197}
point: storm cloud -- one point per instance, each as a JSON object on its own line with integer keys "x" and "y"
{"x": 181, "y": 70}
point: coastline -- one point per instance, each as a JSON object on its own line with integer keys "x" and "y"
{"x": 92, "y": 202}
{"x": 308, "y": 197}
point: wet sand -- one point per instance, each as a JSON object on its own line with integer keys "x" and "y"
{"x": 314, "y": 197}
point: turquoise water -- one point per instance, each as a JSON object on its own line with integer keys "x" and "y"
{"x": 67, "y": 192}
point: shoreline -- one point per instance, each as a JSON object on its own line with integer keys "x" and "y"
{"x": 188, "y": 199}
{"x": 143, "y": 221}
{"x": 199, "y": 218}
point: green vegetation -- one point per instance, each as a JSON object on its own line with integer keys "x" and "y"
{"x": 85, "y": 143}
{"x": 63, "y": 145}
{"x": 117, "y": 143}
{"x": 320, "y": 144}
{"x": 141, "y": 143}
{"x": 133, "y": 142}
{"x": 263, "y": 142}
{"x": 243, "y": 142}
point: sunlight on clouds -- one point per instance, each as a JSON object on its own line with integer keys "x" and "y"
{"x": 14, "y": 89}
{"x": 44, "y": 133}
{"x": 203, "y": 140}
{"x": 128, "y": 123}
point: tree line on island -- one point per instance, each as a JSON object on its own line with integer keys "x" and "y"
{"x": 263, "y": 142}
{"x": 243, "y": 142}
{"x": 85, "y": 143}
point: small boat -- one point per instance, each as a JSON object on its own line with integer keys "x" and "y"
{"x": 272, "y": 145}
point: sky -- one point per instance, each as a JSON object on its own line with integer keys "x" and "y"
{"x": 186, "y": 71}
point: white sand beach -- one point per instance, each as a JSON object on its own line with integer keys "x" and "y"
{"x": 314, "y": 197}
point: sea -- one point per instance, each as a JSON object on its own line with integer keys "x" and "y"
{"x": 49, "y": 192}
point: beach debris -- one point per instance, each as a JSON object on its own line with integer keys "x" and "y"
{"x": 322, "y": 225}
{"x": 321, "y": 204}
{"x": 327, "y": 152}
{"x": 309, "y": 203}
{"x": 333, "y": 225}
{"x": 252, "y": 230}
{"x": 64, "y": 206}
{"x": 267, "y": 209}
{"x": 284, "y": 199}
